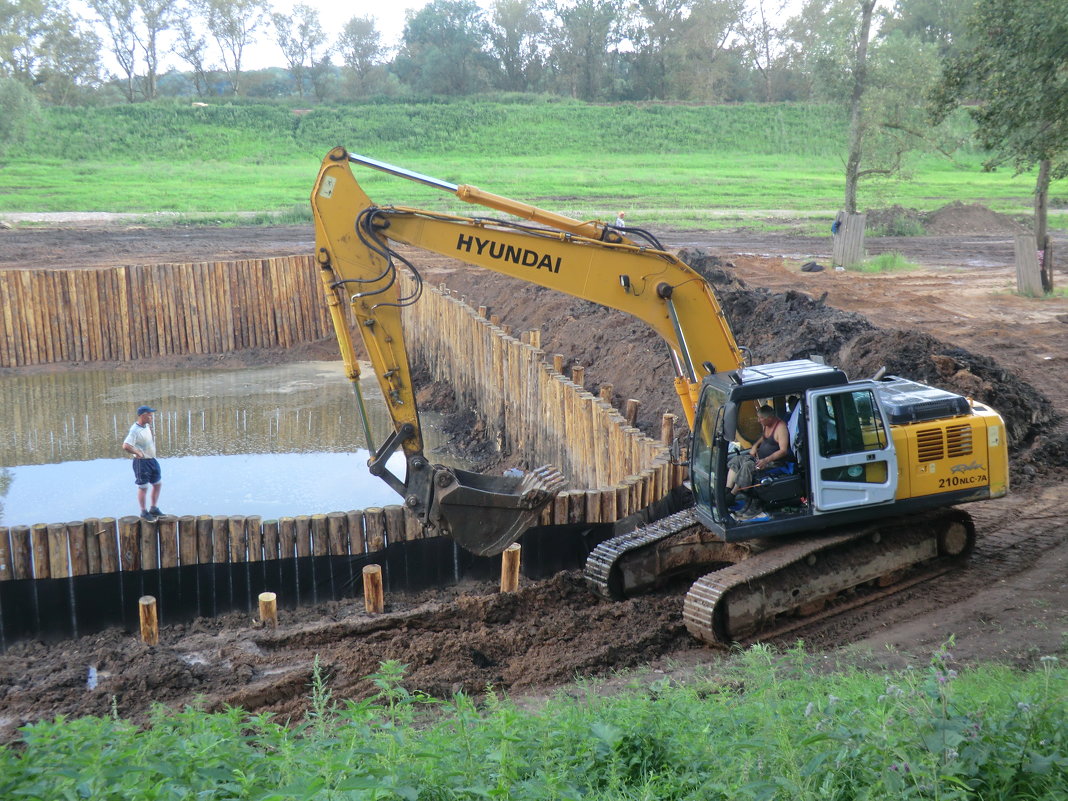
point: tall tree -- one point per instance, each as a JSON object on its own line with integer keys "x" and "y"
{"x": 762, "y": 40}
{"x": 118, "y": 18}
{"x": 362, "y": 52}
{"x": 517, "y": 41}
{"x": 857, "y": 119}
{"x": 70, "y": 67}
{"x": 233, "y": 25}
{"x": 444, "y": 48}
{"x": 876, "y": 80}
{"x": 21, "y": 111}
{"x": 301, "y": 39}
{"x": 134, "y": 28}
{"x": 157, "y": 16}
{"x": 22, "y": 26}
{"x": 658, "y": 38}
{"x": 1016, "y": 74}
{"x": 585, "y": 36}
{"x": 937, "y": 22}
{"x": 323, "y": 76}
{"x": 820, "y": 42}
{"x": 706, "y": 38}
{"x": 192, "y": 48}
{"x": 47, "y": 49}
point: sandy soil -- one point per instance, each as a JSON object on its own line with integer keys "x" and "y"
{"x": 954, "y": 322}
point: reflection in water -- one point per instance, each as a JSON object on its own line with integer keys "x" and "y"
{"x": 271, "y": 485}
{"x": 271, "y": 441}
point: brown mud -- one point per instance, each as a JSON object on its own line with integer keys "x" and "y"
{"x": 954, "y": 322}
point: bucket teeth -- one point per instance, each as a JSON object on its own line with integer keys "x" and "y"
{"x": 543, "y": 481}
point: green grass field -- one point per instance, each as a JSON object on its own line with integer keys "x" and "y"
{"x": 678, "y": 166}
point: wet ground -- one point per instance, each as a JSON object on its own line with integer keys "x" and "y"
{"x": 956, "y": 319}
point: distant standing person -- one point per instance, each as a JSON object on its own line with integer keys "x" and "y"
{"x": 620, "y": 220}
{"x": 142, "y": 444}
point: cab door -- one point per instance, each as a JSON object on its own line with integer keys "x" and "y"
{"x": 708, "y": 460}
{"x": 852, "y": 458}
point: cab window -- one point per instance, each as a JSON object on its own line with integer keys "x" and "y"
{"x": 849, "y": 422}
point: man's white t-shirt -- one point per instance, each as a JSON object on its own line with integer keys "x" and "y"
{"x": 140, "y": 438}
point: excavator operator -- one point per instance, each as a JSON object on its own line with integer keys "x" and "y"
{"x": 771, "y": 450}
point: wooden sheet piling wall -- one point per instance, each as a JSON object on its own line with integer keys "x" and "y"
{"x": 146, "y": 311}
{"x": 107, "y": 545}
{"x": 526, "y": 407}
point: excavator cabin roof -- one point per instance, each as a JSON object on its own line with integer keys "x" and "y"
{"x": 777, "y": 379}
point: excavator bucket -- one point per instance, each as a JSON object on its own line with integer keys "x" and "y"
{"x": 486, "y": 514}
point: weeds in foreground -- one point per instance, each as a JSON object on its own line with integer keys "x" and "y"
{"x": 764, "y": 725}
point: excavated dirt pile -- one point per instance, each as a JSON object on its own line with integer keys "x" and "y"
{"x": 792, "y": 325}
{"x": 616, "y": 349}
{"x": 967, "y": 218}
{"x": 953, "y": 219}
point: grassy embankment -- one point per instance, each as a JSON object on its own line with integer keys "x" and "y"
{"x": 760, "y": 727}
{"x": 677, "y": 166}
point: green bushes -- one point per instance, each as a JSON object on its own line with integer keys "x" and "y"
{"x": 176, "y": 131}
{"x": 763, "y": 726}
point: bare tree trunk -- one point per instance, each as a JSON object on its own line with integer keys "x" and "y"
{"x": 856, "y": 108}
{"x": 1041, "y": 228}
{"x": 151, "y": 67}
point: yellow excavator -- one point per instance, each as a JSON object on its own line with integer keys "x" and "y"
{"x": 862, "y": 497}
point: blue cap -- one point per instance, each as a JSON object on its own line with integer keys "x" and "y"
{"x": 144, "y": 409}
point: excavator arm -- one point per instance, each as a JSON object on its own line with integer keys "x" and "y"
{"x": 355, "y": 247}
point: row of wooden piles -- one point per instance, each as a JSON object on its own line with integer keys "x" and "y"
{"x": 145, "y": 311}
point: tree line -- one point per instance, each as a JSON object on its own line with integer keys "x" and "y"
{"x": 705, "y": 51}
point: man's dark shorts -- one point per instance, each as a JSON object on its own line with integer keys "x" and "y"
{"x": 146, "y": 471}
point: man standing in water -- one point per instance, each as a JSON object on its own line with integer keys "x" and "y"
{"x": 142, "y": 444}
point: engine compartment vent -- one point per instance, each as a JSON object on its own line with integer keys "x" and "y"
{"x": 910, "y": 402}
{"x": 930, "y": 446}
{"x": 958, "y": 440}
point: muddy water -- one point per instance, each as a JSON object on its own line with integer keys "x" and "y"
{"x": 271, "y": 441}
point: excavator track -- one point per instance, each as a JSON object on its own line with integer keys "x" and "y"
{"x": 636, "y": 561}
{"x": 771, "y": 589}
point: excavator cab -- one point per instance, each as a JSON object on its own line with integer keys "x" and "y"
{"x": 725, "y": 423}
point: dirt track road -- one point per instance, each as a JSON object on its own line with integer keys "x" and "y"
{"x": 78, "y": 244}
